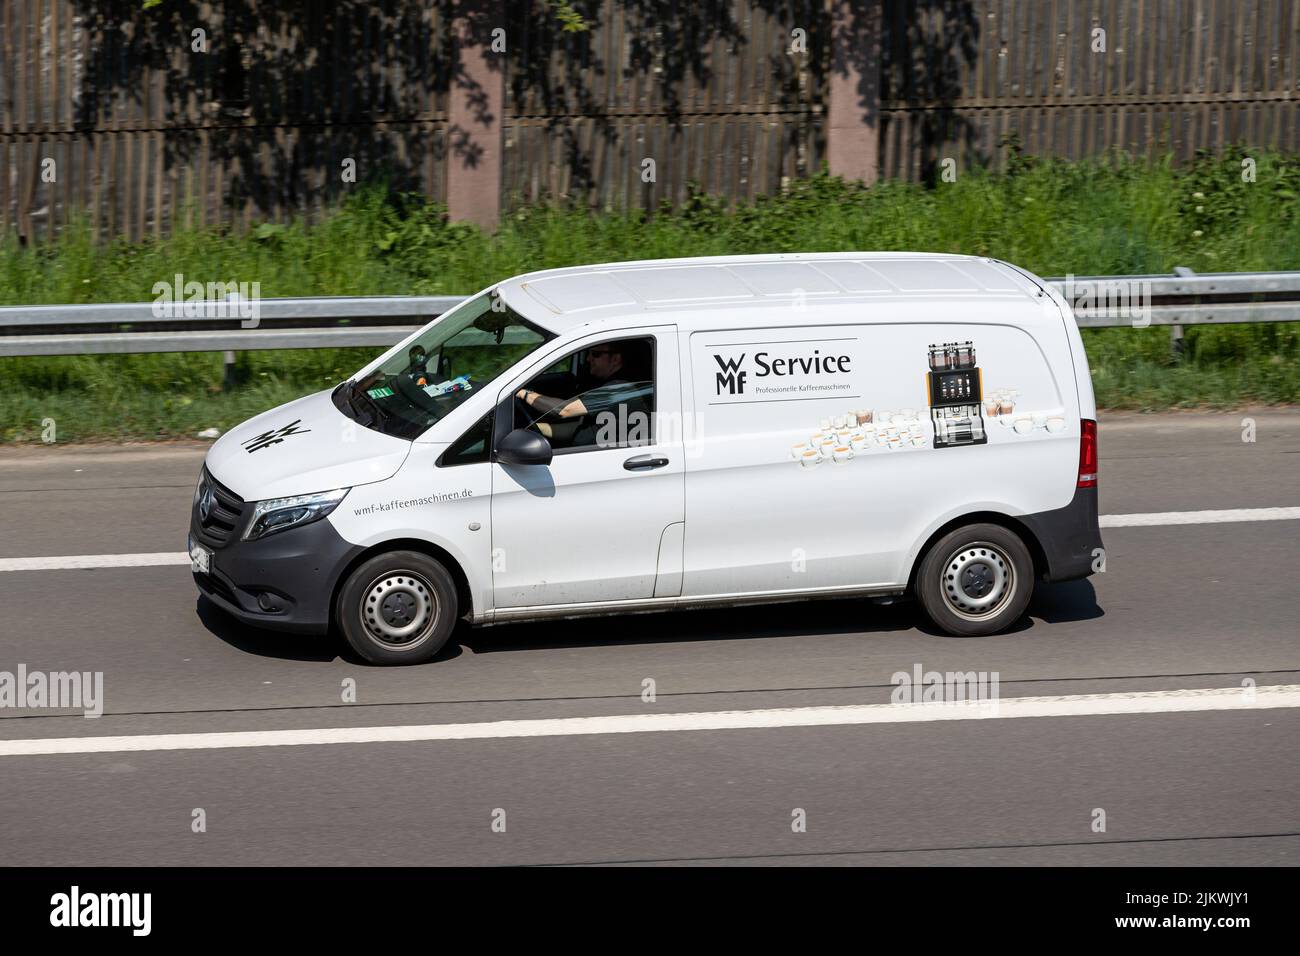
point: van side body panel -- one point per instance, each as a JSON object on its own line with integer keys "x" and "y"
{"x": 759, "y": 520}
{"x": 449, "y": 508}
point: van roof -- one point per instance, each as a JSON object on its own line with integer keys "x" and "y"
{"x": 561, "y": 299}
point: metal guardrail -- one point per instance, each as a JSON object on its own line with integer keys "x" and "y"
{"x": 1220, "y": 298}
{"x": 302, "y": 323}
{"x": 341, "y": 322}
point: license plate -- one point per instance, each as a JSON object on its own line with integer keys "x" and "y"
{"x": 200, "y": 559}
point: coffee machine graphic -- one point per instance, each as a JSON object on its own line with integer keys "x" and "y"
{"x": 955, "y": 395}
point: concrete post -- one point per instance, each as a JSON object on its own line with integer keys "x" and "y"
{"x": 475, "y": 112}
{"x": 853, "y": 108}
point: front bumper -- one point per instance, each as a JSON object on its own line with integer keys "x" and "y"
{"x": 1070, "y": 537}
{"x": 284, "y": 581}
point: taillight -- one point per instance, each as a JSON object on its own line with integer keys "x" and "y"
{"x": 1087, "y": 454}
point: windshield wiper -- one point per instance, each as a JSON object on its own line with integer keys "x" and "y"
{"x": 353, "y": 394}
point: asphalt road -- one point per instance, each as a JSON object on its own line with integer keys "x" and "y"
{"x": 1180, "y": 607}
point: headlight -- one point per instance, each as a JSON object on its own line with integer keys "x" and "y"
{"x": 280, "y": 514}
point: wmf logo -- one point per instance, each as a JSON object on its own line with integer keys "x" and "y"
{"x": 731, "y": 376}
{"x": 275, "y": 436}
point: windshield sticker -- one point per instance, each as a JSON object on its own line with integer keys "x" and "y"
{"x": 274, "y": 436}
{"x": 383, "y": 392}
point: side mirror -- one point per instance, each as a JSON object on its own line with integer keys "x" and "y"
{"x": 522, "y": 447}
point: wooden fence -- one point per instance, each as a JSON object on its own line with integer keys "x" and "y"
{"x": 234, "y": 111}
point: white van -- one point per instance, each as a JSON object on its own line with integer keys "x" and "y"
{"x": 645, "y": 436}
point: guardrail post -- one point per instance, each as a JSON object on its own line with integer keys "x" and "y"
{"x": 228, "y": 372}
{"x": 1176, "y": 343}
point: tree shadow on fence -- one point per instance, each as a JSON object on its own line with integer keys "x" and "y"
{"x": 261, "y": 107}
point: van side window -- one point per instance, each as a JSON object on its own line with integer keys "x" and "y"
{"x": 601, "y": 396}
{"x": 470, "y": 448}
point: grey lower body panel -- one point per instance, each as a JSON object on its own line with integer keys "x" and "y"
{"x": 297, "y": 571}
{"x": 1070, "y": 537}
{"x": 650, "y": 605}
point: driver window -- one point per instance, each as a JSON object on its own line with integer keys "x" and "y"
{"x": 601, "y": 396}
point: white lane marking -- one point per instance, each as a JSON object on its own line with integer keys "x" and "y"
{"x": 1077, "y": 705}
{"x": 1198, "y": 517}
{"x": 158, "y": 558}
{"x": 66, "y": 561}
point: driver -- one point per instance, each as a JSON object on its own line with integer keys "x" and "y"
{"x": 604, "y": 368}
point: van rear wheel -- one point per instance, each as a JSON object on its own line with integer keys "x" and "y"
{"x": 976, "y": 580}
{"x": 397, "y": 608}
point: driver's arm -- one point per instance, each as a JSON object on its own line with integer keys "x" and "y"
{"x": 561, "y": 407}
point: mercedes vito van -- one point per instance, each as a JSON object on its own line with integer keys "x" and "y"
{"x": 645, "y": 436}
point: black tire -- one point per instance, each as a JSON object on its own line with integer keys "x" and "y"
{"x": 976, "y": 580}
{"x": 393, "y": 593}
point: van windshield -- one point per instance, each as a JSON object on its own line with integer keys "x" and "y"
{"x": 455, "y": 358}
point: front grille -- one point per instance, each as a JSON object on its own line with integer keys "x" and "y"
{"x": 218, "y": 587}
{"x": 224, "y": 518}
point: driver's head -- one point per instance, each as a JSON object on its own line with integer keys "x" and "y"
{"x": 416, "y": 355}
{"x": 605, "y": 359}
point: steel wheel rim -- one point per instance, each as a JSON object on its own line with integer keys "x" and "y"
{"x": 399, "y": 609}
{"x": 977, "y": 581}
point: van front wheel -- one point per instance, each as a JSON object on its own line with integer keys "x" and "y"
{"x": 397, "y": 608}
{"x": 976, "y": 580}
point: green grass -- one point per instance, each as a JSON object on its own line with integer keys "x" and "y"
{"x": 1101, "y": 217}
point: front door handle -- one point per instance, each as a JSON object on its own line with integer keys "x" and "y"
{"x": 644, "y": 462}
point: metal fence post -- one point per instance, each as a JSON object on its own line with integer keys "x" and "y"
{"x": 1176, "y": 343}
{"x": 228, "y": 372}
